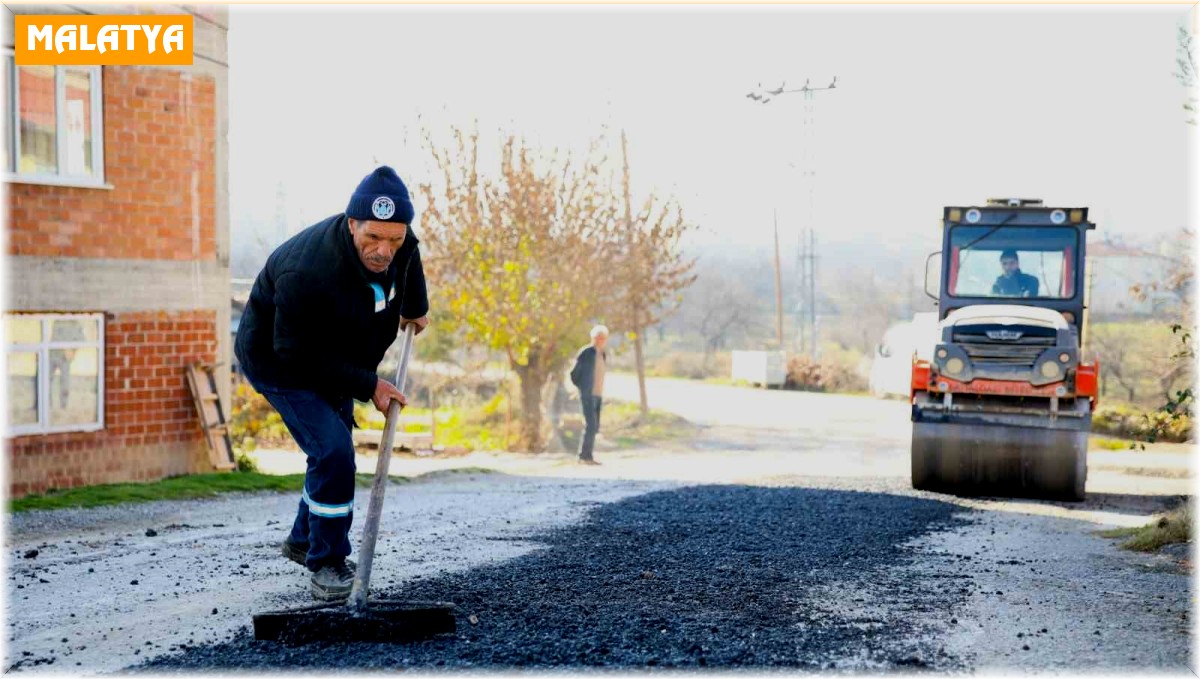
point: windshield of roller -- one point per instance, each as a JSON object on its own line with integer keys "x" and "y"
{"x": 1013, "y": 261}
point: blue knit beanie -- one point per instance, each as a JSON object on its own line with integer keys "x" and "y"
{"x": 381, "y": 197}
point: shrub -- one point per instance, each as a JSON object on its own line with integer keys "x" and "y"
{"x": 804, "y": 374}
{"x": 691, "y": 365}
{"x": 1134, "y": 423}
{"x": 245, "y": 463}
{"x": 253, "y": 417}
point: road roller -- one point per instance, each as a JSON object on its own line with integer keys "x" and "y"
{"x": 1003, "y": 404}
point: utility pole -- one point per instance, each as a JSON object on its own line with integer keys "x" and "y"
{"x": 778, "y": 288}
{"x": 802, "y": 290}
{"x": 806, "y": 288}
{"x": 807, "y": 274}
{"x": 639, "y": 358}
{"x": 814, "y": 351}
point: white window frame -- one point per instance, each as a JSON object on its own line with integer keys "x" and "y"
{"x": 42, "y": 349}
{"x": 12, "y": 171}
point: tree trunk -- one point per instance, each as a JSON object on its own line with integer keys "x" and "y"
{"x": 641, "y": 370}
{"x": 532, "y": 379}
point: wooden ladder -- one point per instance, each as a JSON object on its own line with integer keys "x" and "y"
{"x": 203, "y": 384}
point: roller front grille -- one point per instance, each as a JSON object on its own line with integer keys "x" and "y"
{"x": 1019, "y": 352}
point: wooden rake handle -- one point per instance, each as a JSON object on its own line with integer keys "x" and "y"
{"x": 366, "y": 550}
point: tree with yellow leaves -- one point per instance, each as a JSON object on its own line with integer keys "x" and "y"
{"x": 519, "y": 259}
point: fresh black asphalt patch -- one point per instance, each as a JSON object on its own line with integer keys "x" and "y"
{"x": 706, "y": 576}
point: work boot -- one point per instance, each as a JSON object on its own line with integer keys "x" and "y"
{"x": 333, "y": 582}
{"x": 299, "y": 554}
{"x": 294, "y": 552}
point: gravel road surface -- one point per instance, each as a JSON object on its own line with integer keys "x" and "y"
{"x": 783, "y": 535}
{"x": 711, "y": 575}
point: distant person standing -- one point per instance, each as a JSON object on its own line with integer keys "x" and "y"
{"x": 588, "y": 376}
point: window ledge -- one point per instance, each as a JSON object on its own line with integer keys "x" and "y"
{"x": 75, "y": 429}
{"x": 58, "y": 181}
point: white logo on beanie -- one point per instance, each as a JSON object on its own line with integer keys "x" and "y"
{"x": 383, "y": 208}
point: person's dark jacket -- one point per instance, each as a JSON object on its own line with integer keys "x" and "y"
{"x": 1018, "y": 285}
{"x": 318, "y": 319}
{"x": 583, "y": 375}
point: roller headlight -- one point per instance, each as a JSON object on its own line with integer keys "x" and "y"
{"x": 1058, "y": 216}
{"x": 1050, "y": 370}
{"x": 955, "y": 366}
{"x": 973, "y": 215}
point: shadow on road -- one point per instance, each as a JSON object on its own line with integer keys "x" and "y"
{"x": 703, "y": 576}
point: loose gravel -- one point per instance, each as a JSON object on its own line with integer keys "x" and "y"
{"x": 703, "y": 576}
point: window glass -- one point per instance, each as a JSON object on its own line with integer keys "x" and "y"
{"x": 23, "y": 329}
{"x": 74, "y": 386}
{"x": 77, "y": 137}
{"x": 38, "y": 122}
{"x": 74, "y": 330}
{"x": 9, "y": 165}
{"x": 22, "y": 388}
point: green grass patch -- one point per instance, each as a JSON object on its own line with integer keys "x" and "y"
{"x": 1174, "y": 527}
{"x": 628, "y": 428}
{"x": 482, "y": 427}
{"x": 1110, "y": 444}
{"x": 175, "y": 488}
{"x": 726, "y": 382}
{"x": 1117, "y": 533}
{"x": 479, "y": 427}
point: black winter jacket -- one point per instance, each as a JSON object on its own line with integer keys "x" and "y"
{"x": 583, "y": 374}
{"x": 1019, "y": 285}
{"x": 318, "y": 319}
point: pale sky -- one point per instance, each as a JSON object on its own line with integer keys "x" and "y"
{"x": 934, "y": 106}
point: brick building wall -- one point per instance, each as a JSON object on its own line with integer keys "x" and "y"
{"x": 150, "y": 250}
{"x": 159, "y": 130}
{"x": 150, "y": 429}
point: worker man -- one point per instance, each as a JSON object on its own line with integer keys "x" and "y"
{"x": 588, "y": 377}
{"x": 321, "y": 314}
{"x": 1014, "y": 283}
